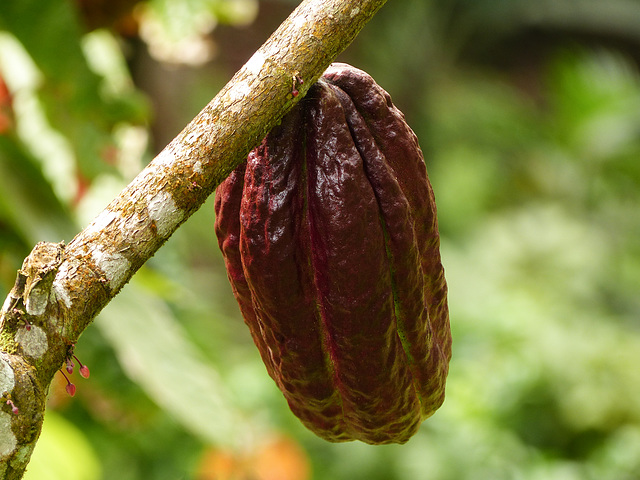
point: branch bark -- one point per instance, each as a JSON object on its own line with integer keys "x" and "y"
{"x": 60, "y": 289}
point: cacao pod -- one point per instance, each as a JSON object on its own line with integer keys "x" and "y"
{"x": 331, "y": 244}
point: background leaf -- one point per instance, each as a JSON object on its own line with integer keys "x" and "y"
{"x": 157, "y": 355}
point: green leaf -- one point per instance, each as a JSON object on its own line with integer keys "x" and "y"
{"x": 72, "y": 94}
{"x": 62, "y": 453}
{"x": 28, "y": 204}
{"x": 155, "y": 352}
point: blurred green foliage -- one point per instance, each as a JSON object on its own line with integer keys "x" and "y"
{"x": 529, "y": 117}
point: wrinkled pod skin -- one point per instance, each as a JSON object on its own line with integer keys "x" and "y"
{"x": 331, "y": 244}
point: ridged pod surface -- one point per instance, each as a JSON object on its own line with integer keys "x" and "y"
{"x": 331, "y": 244}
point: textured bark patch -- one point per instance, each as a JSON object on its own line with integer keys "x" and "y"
{"x": 8, "y": 440}
{"x": 33, "y": 341}
{"x": 7, "y": 378}
{"x": 331, "y": 243}
{"x": 165, "y": 213}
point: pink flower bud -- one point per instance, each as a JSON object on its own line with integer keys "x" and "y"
{"x": 14, "y": 409}
{"x": 71, "y": 389}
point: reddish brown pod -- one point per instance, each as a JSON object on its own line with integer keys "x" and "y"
{"x": 330, "y": 239}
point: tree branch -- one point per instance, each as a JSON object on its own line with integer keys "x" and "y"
{"x": 59, "y": 290}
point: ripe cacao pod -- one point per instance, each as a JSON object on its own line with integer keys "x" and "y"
{"x": 331, "y": 244}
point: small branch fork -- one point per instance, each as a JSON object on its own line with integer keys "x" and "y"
{"x": 60, "y": 289}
